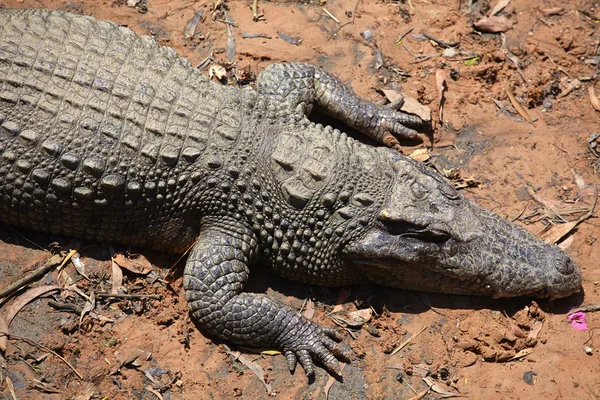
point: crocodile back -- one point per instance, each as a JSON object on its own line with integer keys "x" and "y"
{"x": 104, "y": 134}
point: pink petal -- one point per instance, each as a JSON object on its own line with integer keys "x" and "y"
{"x": 578, "y": 321}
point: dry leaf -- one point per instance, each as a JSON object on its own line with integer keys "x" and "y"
{"x": 514, "y": 328}
{"x": 520, "y": 109}
{"x": 256, "y": 369}
{"x": 578, "y": 179}
{"x": 154, "y": 392}
{"x": 331, "y": 381}
{"x": 230, "y": 47}
{"x": 521, "y": 354}
{"x": 136, "y": 263}
{"x": 557, "y": 232}
{"x": 493, "y": 24}
{"x": 421, "y": 155}
{"x": 442, "y": 86}
{"x": 3, "y": 338}
{"x": 309, "y": 311}
{"x": 535, "y": 329}
{"x": 217, "y": 71}
{"x": 117, "y": 278}
{"x": 547, "y": 12}
{"x": 568, "y": 242}
{"x": 421, "y": 370}
{"x": 361, "y": 316}
{"x": 594, "y": 99}
{"x": 11, "y": 387}
{"x": 410, "y": 106}
{"x": 86, "y": 391}
{"x": 500, "y": 5}
{"x": 79, "y": 266}
{"x": 88, "y": 306}
{"x": 343, "y": 297}
{"x": 190, "y": 27}
{"x": 26, "y": 298}
{"x": 438, "y": 388}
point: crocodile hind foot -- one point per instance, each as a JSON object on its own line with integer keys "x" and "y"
{"x": 304, "y": 87}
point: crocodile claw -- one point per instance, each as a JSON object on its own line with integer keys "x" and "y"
{"x": 315, "y": 344}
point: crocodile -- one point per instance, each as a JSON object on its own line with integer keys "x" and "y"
{"x": 107, "y": 136}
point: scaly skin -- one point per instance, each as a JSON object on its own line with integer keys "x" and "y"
{"x": 107, "y": 136}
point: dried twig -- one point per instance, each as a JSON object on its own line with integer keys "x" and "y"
{"x": 331, "y": 16}
{"x": 590, "y": 308}
{"x": 440, "y": 42}
{"x": 50, "y": 264}
{"x": 129, "y": 296}
{"x": 407, "y": 341}
{"x": 403, "y": 35}
{"x": 354, "y": 12}
{"x": 41, "y": 347}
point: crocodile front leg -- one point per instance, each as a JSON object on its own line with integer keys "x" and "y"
{"x": 214, "y": 277}
{"x": 303, "y": 86}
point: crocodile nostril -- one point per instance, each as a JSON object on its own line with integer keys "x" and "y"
{"x": 565, "y": 266}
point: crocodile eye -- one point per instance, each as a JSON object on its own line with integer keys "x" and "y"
{"x": 419, "y": 191}
{"x": 448, "y": 191}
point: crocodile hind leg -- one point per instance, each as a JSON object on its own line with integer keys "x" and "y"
{"x": 214, "y": 277}
{"x": 303, "y": 86}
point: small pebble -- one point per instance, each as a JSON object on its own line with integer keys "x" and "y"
{"x": 588, "y": 351}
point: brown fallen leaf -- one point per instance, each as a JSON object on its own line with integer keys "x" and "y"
{"x": 520, "y": 109}
{"x": 26, "y": 298}
{"x": 421, "y": 155}
{"x": 331, "y": 381}
{"x": 535, "y": 329}
{"x": 117, "y": 278}
{"x": 86, "y": 391}
{"x": 410, "y": 106}
{"x": 557, "y": 232}
{"x": 518, "y": 332}
{"x": 361, "y": 316}
{"x": 493, "y": 24}
{"x": 521, "y": 354}
{"x": 500, "y": 5}
{"x": 154, "y": 392}
{"x": 256, "y": 370}
{"x": 594, "y": 99}
{"x": 547, "y": 12}
{"x": 136, "y": 263}
{"x": 230, "y": 47}
{"x": 442, "y": 86}
{"x": 436, "y": 387}
{"x": 343, "y": 297}
{"x": 309, "y": 310}
{"x": 3, "y": 338}
{"x": 190, "y": 27}
{"x": 88, "y": 306}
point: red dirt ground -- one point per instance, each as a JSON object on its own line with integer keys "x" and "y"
{"x": 137, "y": 348}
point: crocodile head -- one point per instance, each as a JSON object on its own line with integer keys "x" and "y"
{"x": 429, "y": 237}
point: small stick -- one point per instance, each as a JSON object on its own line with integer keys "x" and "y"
{"x": 41, "y": 347}
{"x": 255, "y": 16}
{"x": 354, "y": 12}
{"x": 331, "y": 16}
{"x": 403, "y": 35}
{"x": 407, "y": 341}
{"x": 590, "y": 308}
{"x": 50, "y": 264}
{"x": 130, "y": 296}
{"x": 440, "y": 42}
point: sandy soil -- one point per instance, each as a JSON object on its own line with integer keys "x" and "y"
{"x": 147, "y": 349}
